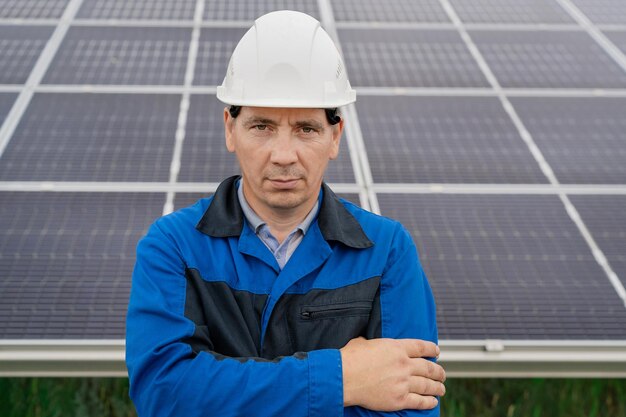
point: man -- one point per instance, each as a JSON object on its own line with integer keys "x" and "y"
{"x": 274, "y": 297}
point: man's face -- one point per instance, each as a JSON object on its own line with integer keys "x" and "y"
{"x": 283, "y": 153}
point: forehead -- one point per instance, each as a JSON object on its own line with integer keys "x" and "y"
{"x": 280, "y": 114}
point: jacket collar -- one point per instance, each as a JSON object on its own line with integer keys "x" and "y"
{"x": 224, "y": 217}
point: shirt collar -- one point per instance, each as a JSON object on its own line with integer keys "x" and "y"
{"x": 225, "y": 218}
{"x": 256, "y": 222}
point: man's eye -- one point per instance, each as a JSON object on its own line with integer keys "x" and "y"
{"x": 307, "y": 129}
{"x": 260, "y": 127}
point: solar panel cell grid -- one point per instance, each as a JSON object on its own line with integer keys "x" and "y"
{"x": 581, "y": 138}
{"x": 542, "y": 59}
{"x": 393, "y": 11}
{"x": 250, "y": 9}
{"x": 605, "y": 216}
{"x": 32, "y": 9}
{"x": 6, "y": 101}
{"x": 137, "y": 9}
{"x": 108, "y": 137}
{"x": 205, "y": 157}
{"x": 618, "y": 38}
{"x": 66, "y": 258}
{"x": 603, "y": 11}
{"x": 409, "y": 58}
{"x": 19, "y": 50}
{"x": 510, "y": 11}
{"x": 216, "y": 46}
{"x": 444, "y": 140}
{"x": 154, "y": 56}
{"x": 508, "y": 262}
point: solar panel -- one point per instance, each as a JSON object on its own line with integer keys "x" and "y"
{"x": 6, "y": 101}
{"x": 409, "y": 58}
{"x": 510, "y": 11}
{"x": 104, "y": 55}
{"x": 508, "y": 267}
{"x": 65, "y": 259}
{"x": 619, "y": 39}
{"x": 581, "y": 138}
{"x": 93, "y": 137}
{"x": 216, "y": 46}
{"x": 204, "y": 157}
{"x": 444, "y": 140}
{"x": 249, "y": 9}
{"x": 603, "y": 11}
{"x": 395, "y": 11}
{"x": 32, "y": 9}
{"x": 544, "y": 59}
{"x": 19, "y": 49}
{"x": 137, "y": 9}
{"x": 605, "y": 216}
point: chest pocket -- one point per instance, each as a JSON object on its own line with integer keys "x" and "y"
{"x": 324, "y": 318}
{"x": 337, "y": 310}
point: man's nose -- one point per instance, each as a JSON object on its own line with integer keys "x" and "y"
{"x": 284, "y": 149}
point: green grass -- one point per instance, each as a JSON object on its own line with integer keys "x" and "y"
{"x": 108, "y": 397}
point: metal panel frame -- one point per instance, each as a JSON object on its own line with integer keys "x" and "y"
{"x": 461, "y": 359}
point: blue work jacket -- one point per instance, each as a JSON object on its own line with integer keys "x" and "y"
{"x": 216, "y": 328}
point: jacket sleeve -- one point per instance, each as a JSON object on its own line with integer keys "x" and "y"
{"x": 407, "y": 307}
{"x": 168, "y": 379}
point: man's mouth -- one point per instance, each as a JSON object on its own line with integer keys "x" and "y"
{"x": 284, "y": 183}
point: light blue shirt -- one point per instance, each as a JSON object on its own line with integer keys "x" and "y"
{"x": 281, "y": 251}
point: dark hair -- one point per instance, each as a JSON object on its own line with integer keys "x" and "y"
{"x": 332, "y": 115}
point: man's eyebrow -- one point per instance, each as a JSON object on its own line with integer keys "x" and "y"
{"x": 253, "y": 120}
{"x": 315, "y": 124}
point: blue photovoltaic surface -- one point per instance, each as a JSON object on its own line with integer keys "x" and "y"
{"x": 408, "y": 58}
{"x": 444, "y": 140}
{"x": 248, "y": 10}
{"x": 544, "y": 59}
{"x": 603, "y": 11}
{"x": 510, "y": 11}
{"x": 508, "y": 267}
{"x": 216, "y": 46}
{"x": 605, "y": 216}
{"x": 19, "y": 49}
{"x": 6, "y": 101}
{"x": 90, "y": 137}
{"x": 205, "y": 157}
{"x": 137, "y": 9}
{"x": 583, "y": 139}
{"x": 392, "y": 11}
{"x": 618, "y": 38}
{"x": 66, "y": 259}
{"x": 103, "y": 55}
{"x": 32, "y": 9}
{"x": 504, "y": 266}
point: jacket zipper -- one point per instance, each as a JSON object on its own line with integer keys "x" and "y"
{"x": 358, "y": 308}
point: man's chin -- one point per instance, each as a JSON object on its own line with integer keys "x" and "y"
{"x": 286, "y": 200}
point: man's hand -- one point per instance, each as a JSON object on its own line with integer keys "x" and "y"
{"x": 391, "y": 375}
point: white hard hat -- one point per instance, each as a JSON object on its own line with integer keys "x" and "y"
{"x": 286, "y": 59}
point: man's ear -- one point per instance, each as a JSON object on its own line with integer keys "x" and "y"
{"x": 229, "y": 126}
{"x": 337, "y": 130}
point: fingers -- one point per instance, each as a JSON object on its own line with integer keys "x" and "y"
{"x": 425, "y": 368}
{"x": 425, "y": 386}
{"x": 416, "y": 348}
{"x": 420, "y": 402}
